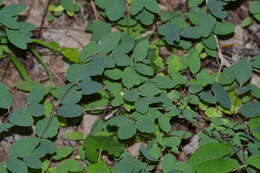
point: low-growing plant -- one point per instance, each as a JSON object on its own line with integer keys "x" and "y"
{"x": 141, "y": 96}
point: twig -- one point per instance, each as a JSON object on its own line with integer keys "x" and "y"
{"x": 43, "y": 18}
{"x": 223, "y": 61}
{"x": 96, "y": 14}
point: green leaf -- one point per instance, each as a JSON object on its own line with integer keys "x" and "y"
{"x": 242, "y": 71}
{"x": 98, "y": 167}
{"x": 209, "y": 152}
{"x": 21, "y": 117}
{"x": 74, "y": 135}
{"x": 47, "y": 127}
{"x": 216, "y": 8}
{"x": 171, "y": 32}
{"x": 69, "y": 5}
{"x": 152, "y": 6}
{"x": 251, "y": 109}
{"x": 207, "y": 98}
{"x": 206, "y": 24}
{"x": 5, "y": 126}
{"x": 224, "y": 28}
{"x": 115, "y": 9}
{"x": 72, "y": 54}
{"x": 144, "y": 69}
{"x": 125, "y": 46}
{"x": 99, "y": 29}
{"x": 18, "y": 38}
{"x": 70, "y": 110}
{"x": 227, "y": 165}
{"x": 163, "y": 82}
{"x": 6, "y": 99}
{"x": 13, "y": 10}
{"x": 109, "y": 42}
{"x": 254, "y": 125}
{"x": 137, "y": 6}
{"x": 221, "y": 95}
{"x": 89, "y": 87}
{"x": 254, "y": 160}
{"x": 246, "y": 21}
{"x": 36, "y": 110}
{"x": 122, "y": 60}
{"x": 62, "y": 152}
{"x": 131, "y": 96}
{"x": 164, "y": 123}
{"x": 130, "y": 78}
{"x": 24, "y": 147}
{"x": 36, "y": 95}
{"x": 114, "y": 74}
{"x": 146, "y": 154}
{"x": 195, "y": 3}
{"x": 191, "y": 32}
{"x": 102, "y": 143}
{"x": 16, "y": 165}
{"x": 210, "y": 42}
{"x": 145, "y": 17}
{"x": 126, "y": 128}
{"x": 32, "y": 162}
{"x": 148, "y": 89}
{"x": 89, "y": 50}
{"x": 254, "y": 7}
{"x": 140, "y": 51}
{"x": 70, "y": 95}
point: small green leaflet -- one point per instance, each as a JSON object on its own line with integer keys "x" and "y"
{"x": 221, "y": 95}
{"x": 126, "y": 45}
{"x": 24, "y": 147}
{"x": 70, "y": 110}
{"x": 114, "y": 74}
{"x": 209, "y": 152}
{"x": 144, "y": 69}
{"x": 6, "y": 99}
{"x": 138, "y": 5}
{"x": 89, "y": 87}
{"x": 251, "y": 109}
{"x": 98, "y": 167}
{"x": 171, "y": 32}
{"x": 242, "y": 71}
{"x": 70, "y": 6}
{"x": 21, "y": 117}
{"x": 126, "y": 127}
{"x": 109, "y": 42}
{"x": 145, "y": 17}
{"x": 62, "y": 152}
{"x": 224, "y": 28}
{"x": 216, "y": 8}
{"x": 130, "y": 78}
{"x": 254, "y": 160}
{"x": 195, "y": 3}
{"x": 254, "y": 7}
{"x": 16, "y": 165}
{"x": 19, "y": 38}
{"x": 36, "y": 95}
{"x": 140, "y": 51}
{"x": 227, "y": 165}
{"x": 5, "y": 126}
{"x": 99, "y": 29}
{"x": 47, "y": 127}
{"x": 115, "y": 9}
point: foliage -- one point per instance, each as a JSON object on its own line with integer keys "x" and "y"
{"x": 145, "y": 93}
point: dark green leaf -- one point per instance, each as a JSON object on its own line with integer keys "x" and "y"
{"x": 221, "y": 95}
{"x": 21, "y": 117}
{"x": 47, "y": 127}
{"x": 6, "y": 100}
{"x": 16, "y": 165}
{"x": 70, "y": 110}
{"x": 250, "y": 110}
